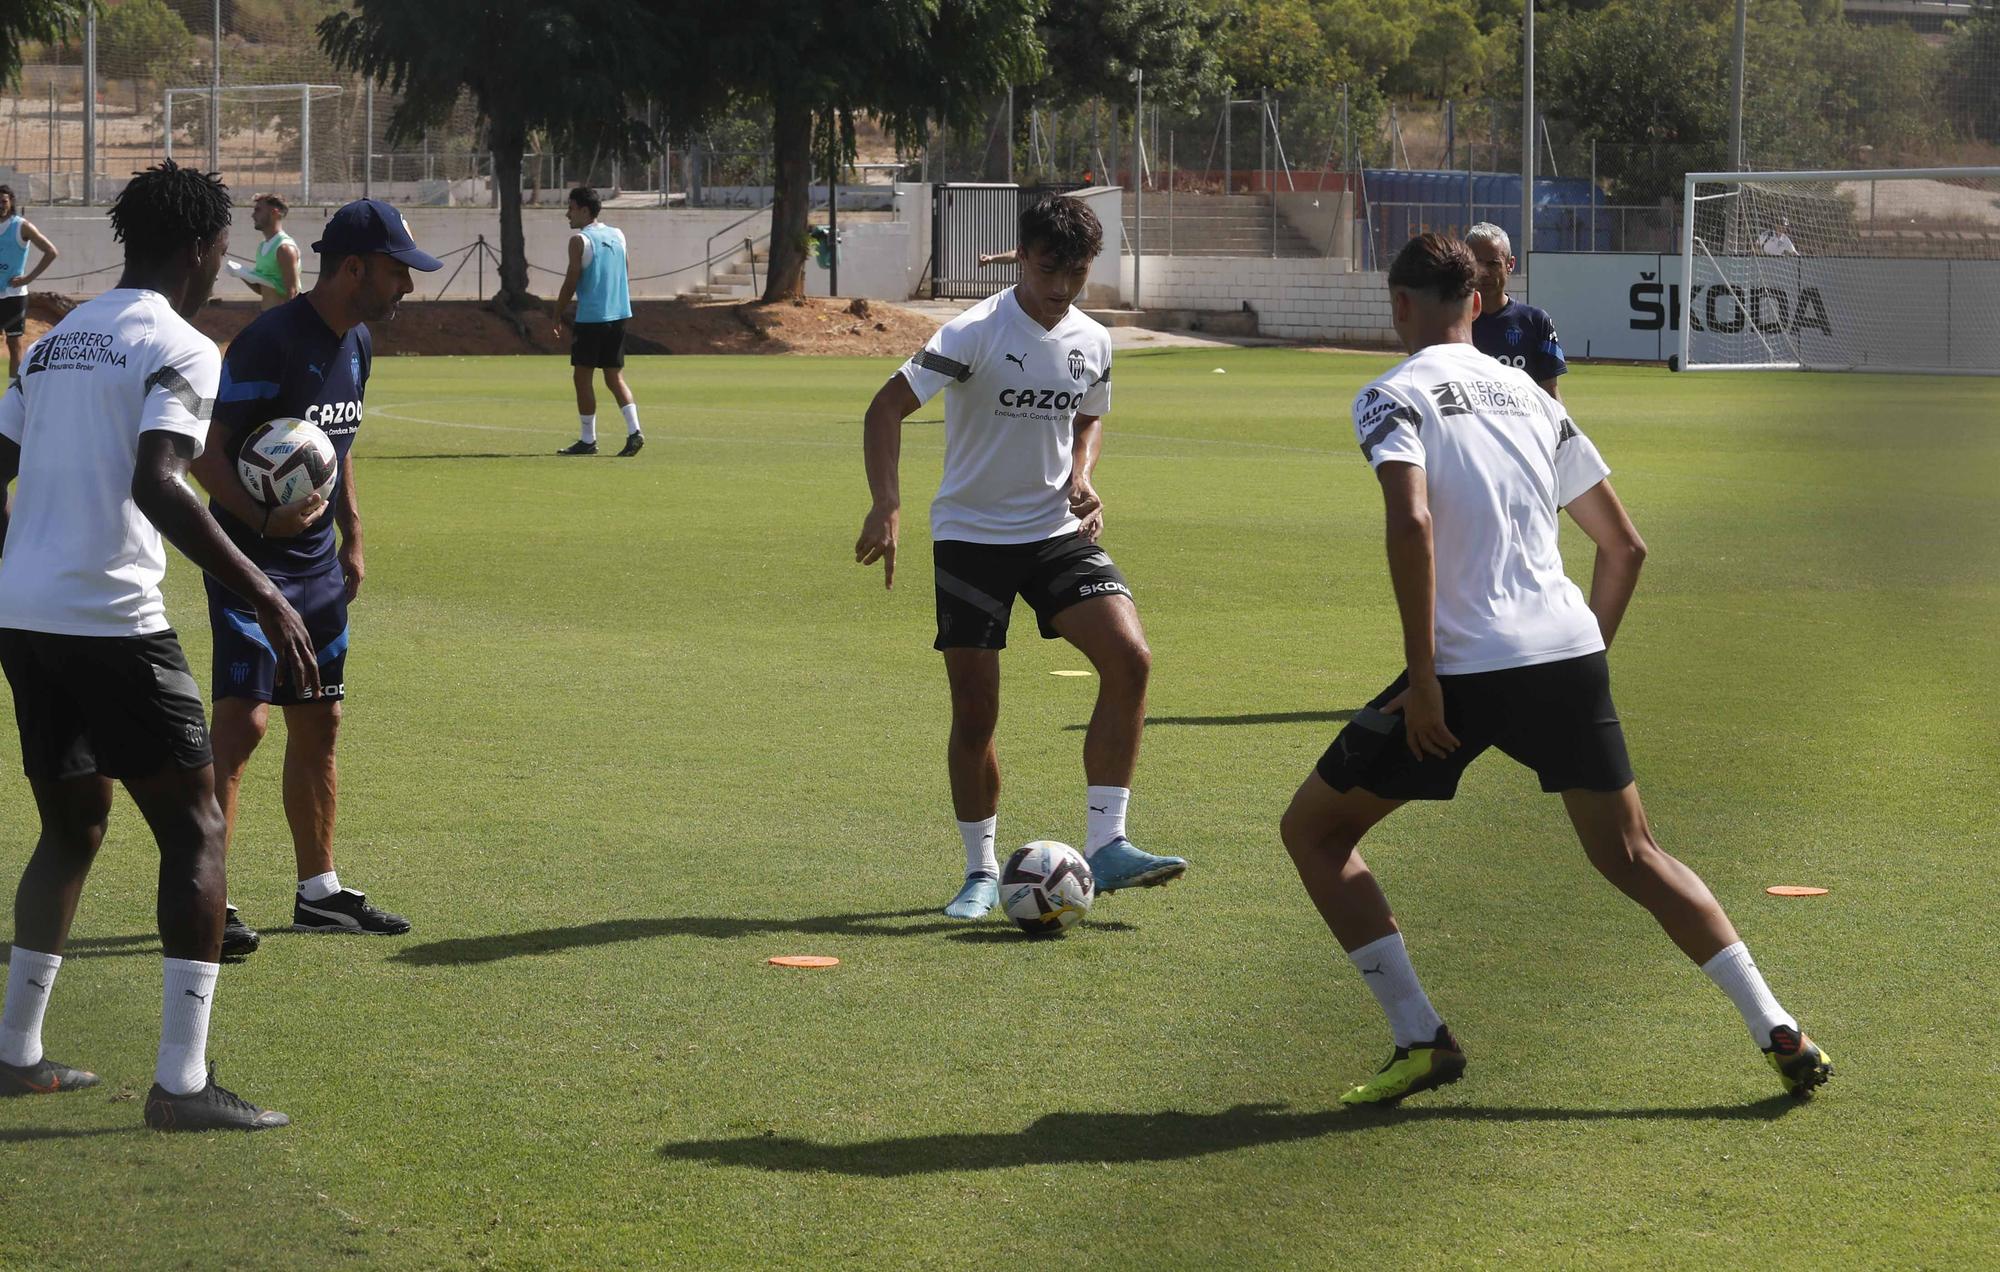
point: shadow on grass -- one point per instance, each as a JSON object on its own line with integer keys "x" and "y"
{"x": 1266, "y": 717}
{"x": 490, "y": 949}
{"x": 399, "y": 459}
{"x": 27, "y": 1134}
{"x": 102, "y": 946}
{"x": 1107, "y": 1138}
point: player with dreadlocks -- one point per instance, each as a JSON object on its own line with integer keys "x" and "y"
{"x": 100, "y": 428}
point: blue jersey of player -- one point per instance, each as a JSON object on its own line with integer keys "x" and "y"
{"x": 1521, "y": 336}
{"x": 288, "y": 363}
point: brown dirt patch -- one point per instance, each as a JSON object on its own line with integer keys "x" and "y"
{"x": 812, "y": 325}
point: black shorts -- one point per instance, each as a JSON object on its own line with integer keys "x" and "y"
{"x": 977, "y": 583}
{"x": 598, "y": 344}
{"x": 13, "y": 315}
{"x": 244, "y": 665}
{"x": 119, "y": 706}
{"x": 1554, "y": 717}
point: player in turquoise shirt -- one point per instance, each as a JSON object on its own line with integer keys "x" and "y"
{"x": 17, "y": 234}
{"x": 597, "y": 279}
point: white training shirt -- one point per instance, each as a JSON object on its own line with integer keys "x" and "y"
{"x": 80, "y": 558}
{"x": 1014, "y": 392}
{"x": 1500, "y": 458}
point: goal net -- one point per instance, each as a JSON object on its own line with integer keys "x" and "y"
{"x": 1842, "y": 271}
{"x": 278, "y": 137}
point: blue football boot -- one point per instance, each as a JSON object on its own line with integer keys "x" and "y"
{"x": 1123, "y": 864}
{"x": 979, "y": 895}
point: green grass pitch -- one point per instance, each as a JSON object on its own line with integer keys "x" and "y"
{"x": 619, "y": 731}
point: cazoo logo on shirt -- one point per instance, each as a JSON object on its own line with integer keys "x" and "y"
{"x": 1041, "y": 399}
{"x": 328, "y": 414}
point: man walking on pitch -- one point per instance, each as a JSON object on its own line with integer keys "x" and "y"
{"x": 17, "y": 234}
{"x": 597, "y": 278}
{"x": 1518, "y": 335}
{"x": 275, "y": 276}
{"x": 100, "y": 429}
{"x": 1027, "y": 380}
{"x": 307, "y": 359}
{"x": 1501, "y": 650}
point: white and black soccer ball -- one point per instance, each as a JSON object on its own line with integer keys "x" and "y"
{"x": 286, "y": 461}
{"x": 1046, "y": 886}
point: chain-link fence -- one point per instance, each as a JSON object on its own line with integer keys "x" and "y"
{"x": 141, "y": 84}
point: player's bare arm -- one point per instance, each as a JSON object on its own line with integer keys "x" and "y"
{"x": 347, "y": 519}
{"x": 571, "y": 276}
{"x": 288, "y": 269}
{"x": 882, "y": 451}
{"x": 160, "y": 489}
{"x": 1552, "y": 387}
{"x": 1620, "y": 554}
{"x": 35, "y": 238}
{"x": 217, "y": 475}
{"x": 1084, "y": 503}
{"x": 1413, "y": 572}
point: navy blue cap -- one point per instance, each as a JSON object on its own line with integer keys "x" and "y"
{"x": 370, "y": 225}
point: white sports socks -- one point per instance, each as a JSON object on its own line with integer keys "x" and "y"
{"x": 587, "y": 428}
{"x": 31, "y": 975}
{"x": 190, "y": 990}
{"x": 320, "y": 886}
{"x": 1385, "y": 968}
{"x": 1735, "y": 974}
{"x": 1105, "y": 820}
{"x": 631, "y": 413}
{"x": 978, "y": 837}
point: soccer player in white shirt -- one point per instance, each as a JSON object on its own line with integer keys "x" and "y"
{"x": 100, "y": 427}
{"x": 1027, "y": 380}
{"x": 1501, "y": 650}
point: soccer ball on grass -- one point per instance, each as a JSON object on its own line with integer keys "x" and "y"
{"x": 1046, "y": 886}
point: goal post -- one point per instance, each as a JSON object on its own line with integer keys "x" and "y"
{"x": 272, "y": 122}
{"x": 1894, "y": 269}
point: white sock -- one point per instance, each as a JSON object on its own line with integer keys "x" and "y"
{"x": 1385, "y": 968}
{"x": 30, "y": 977}
{"x": 190, "y": 991}
{"x": 1105, "y": 819}
{"x": 1735, "y": 974}
{"x": 587, "y": 428}
{"x": 631, "y": 413}
{"x": 320, "y": 886}
{"x": 978, "y": 837}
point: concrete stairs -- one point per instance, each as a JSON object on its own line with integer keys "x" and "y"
{"x": 738, "y": 278}
{"x": 1213, "y": 225}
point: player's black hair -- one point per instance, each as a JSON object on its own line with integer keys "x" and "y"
{"x": 163, "y": 209}
{"x": 9, "y": 192}
{"x": 275, "y": 200}
{"x": 1066, "y": 228}
{"x": 585, "y": 197}
{"x": 1435, "y": 264}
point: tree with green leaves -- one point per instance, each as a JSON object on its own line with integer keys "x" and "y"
{"x": 817, "y": 64}
{"x": 25, "y": 22}
{"x": 571, "y": 68}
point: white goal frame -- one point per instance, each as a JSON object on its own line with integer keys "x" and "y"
{"x": 1690, "y": 246}
{"x": 306, "y": 93}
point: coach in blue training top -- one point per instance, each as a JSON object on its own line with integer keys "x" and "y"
{"x": 307, "y": 359}
{"x": 1518, "y": 335}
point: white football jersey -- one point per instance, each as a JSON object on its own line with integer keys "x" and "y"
{"x": 80, "y": 558}
{"x": 1500, "y": 459}
{"x": 1013, "y": 392}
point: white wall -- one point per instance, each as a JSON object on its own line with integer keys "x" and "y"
{"x": 1311, "y": 299}
{"x": 874, "y": 262}
{"x": 1109, "y": 282}
{"x": 670, "y": 241}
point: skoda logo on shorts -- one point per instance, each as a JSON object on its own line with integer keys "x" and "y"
{"x": 1076, "y": 364}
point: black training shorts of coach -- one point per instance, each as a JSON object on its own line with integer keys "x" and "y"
{"x": 1556, "y": 718}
